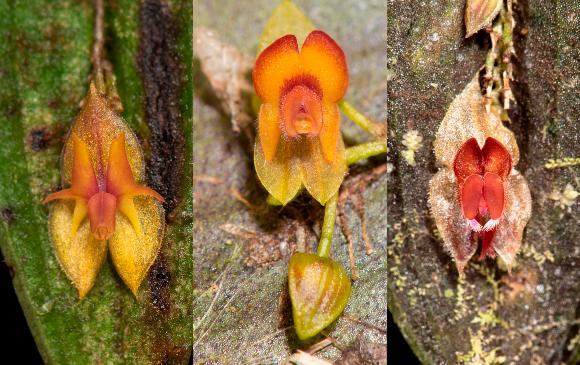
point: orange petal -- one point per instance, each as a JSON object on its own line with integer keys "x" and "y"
{"x": 276, "y": 64}
{"x": 494, "y": 195}
{"x": 84, "y": 182}
{"x": 471, "y": 192}
{"x": 487, "y": 249}
{"x": 321, "y": 178}
{"x": 269, "y": 129}
{"x": 330, "y": 132}
{"x": 496, "y": 158}
{"x": 323, "y": 58}
{"x": 467, "y": 161}
{"x": 102, "y": 207}
{"x": 120, "y": 178}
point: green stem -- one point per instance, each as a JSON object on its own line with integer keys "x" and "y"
{"x": 327, "y": 227}
{"x": 364, "y": 151}
{"x": 368, "y": 125}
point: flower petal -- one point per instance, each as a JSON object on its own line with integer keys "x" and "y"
{"x": 102, "y": 208}
{"x": 496, "y": 158}
{"x": 494, "y": 195}
{"x": 96, "y": 126}
{"x": 330, "y": 133}
{"x": 323, "y": 58}
{"x": 281, "y": 176}
{"x": 455, "y": 231}
{"x": 81, "y": 255}
{"x": 278, "y": 63}
{"x": 120, "y": 180}
{"x": 468, "y": 161}
{"x": 517, "y": 213}
{"x": 131, "y": 253}
{"x": 322, "y": 178}
{"x": 269, "y": 129}
{"x": 471, "y": 192}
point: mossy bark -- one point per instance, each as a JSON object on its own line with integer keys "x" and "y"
{"x": 527, "y": 317}
{"x": 45, "y": 68}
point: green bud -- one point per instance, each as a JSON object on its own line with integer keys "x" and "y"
{"x": 319, "y": 291}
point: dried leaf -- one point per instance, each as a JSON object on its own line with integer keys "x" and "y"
{"x": 479, "y": 14}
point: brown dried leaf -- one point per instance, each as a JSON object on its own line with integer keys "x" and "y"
{"x": 226, "y": 68}
{"x": 479, "y": 14}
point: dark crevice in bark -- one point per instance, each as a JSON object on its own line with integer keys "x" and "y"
{"x": 519, "y": 114}
{"x": 162, "y": 75}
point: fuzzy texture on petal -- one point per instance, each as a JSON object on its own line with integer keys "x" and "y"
{"x": 321, "y": 178}
{"x": 277, "y": 64}
{"x": 80, "y": 255}
{"x": 517, "y": 213}
{"x": 454, "y": 229}
{"x": 133, "y": 253}
{"x": 323, "y": 58}
{"x": 466, "y": 118}
{"x": 319, "y": 290}
{"x": 281, "y": 175}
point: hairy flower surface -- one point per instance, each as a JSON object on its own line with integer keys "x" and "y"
{"x": 299, "y": 141}
{"x": 103, "y": 163}
{"x": 477, "y": 195}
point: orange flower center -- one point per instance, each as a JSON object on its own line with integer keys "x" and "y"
{"x": 301, "y": 111}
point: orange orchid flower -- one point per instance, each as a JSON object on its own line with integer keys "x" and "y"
{"x": 99, "y": 195}
{"x": 103, "y": 163}
{"x": 299, "y": 142}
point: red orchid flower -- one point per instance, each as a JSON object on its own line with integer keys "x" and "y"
{"x": 481, "y": 179}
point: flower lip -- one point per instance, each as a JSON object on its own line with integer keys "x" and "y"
{"x": 301, "y": 107}
{"x": 481, "y": 174}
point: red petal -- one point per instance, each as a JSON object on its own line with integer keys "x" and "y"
{"x": 496, "y": 158}
{"x": 471, "y": 193}
{"x": 487, "y": 249}
{"x": 494, "y": 194}
{"x": 468, "y": 161}
{"x": 102, "y": 208}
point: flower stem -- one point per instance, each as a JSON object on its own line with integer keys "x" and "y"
{"x": 364, "y": 151}
{"x": 327, "y": 227}
{"x": 368, "y": 125}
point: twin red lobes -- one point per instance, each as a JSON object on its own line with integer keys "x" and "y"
{"x": 481, "y": 175}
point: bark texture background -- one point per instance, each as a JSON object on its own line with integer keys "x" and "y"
{"x": 531, "y": 316}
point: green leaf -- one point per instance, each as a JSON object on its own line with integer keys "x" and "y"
{"x": 287, "y": 18}
{"x": 45, "y": 63}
